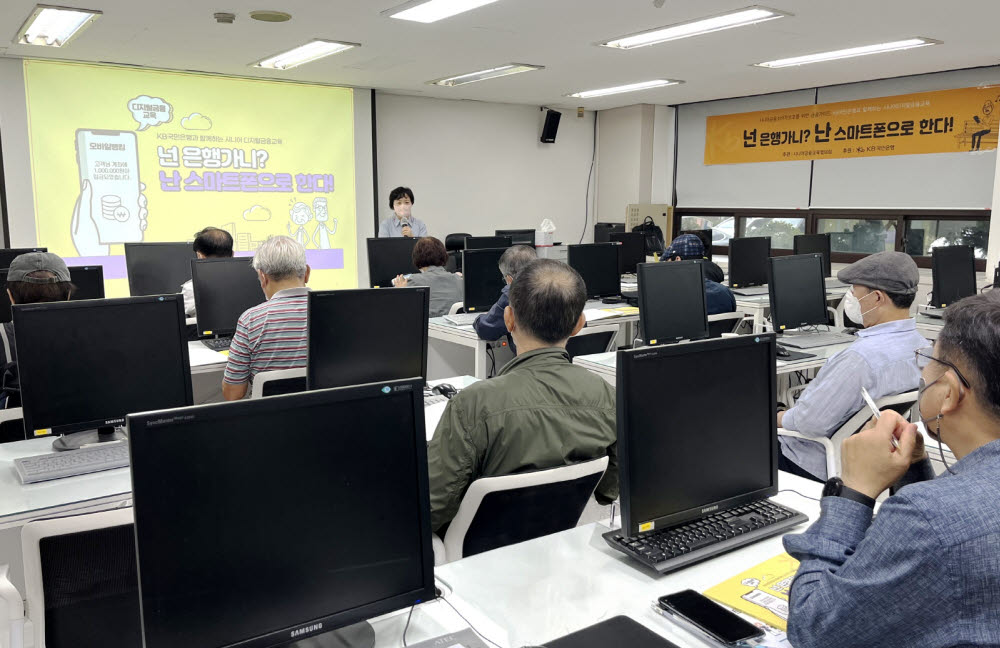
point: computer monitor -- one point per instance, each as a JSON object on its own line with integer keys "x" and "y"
{"x": 301, "y": 514}
{"x": 86, "y": 364}
{"x": 519, "y": 236}
{"x": 672, "y": 301}
{"x": 365, "y": 336}
{"x": 7, "y": 255}
{"x": 598, "y": 264}
{"x": 223, "y": 290}
{"x": 603, "y": 231}
{"x": 748, "y": 261}
{"x": 797, "y": 291}
{"x": 157, "y": 268}
{"x": 389, "y": 257}
{"x": 481, "y": 278}
{"x": 633, "y": 250}
{"x": 706, "y": 239}
{"x": 89, "y": 282}
{"x": 676, "y": 468}
{"x": 953, "y": 274}
{"x": 486, "y": 242}
{"x": 814, "y": 244}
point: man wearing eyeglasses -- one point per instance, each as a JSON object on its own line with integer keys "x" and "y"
{"x": 883, "y": 287}
{"x": 926, "y": 572}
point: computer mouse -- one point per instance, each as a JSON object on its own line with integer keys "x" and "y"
{"x": 782, "y": 352}
{"x": 444, "y": 389}
{"x": 850, "y": 330}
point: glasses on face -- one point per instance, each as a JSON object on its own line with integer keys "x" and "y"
{"x": 925, "y": 357}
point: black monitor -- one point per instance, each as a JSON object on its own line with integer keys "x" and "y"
{"x": 347, "y": 348}
{"x": 157, "y": 268}
{"x": 303, "y": 514}
{"x": 672, "y": 302}
{"x": 485, "y": 242}
{"x": 481, "y": 278}
{"x": 633, "y": 250}
{"x": 748, "y": 261}
{"x": 603, "y": 231}
{"x": 389, "y": 257}
{"x": 89, "y": 282}
{"x": 86, "y": 364}
{"x": 671, "y": 471}
{"x": 953, "y": 274}
{"x": 223, "y": 290}
{"x": 706, "y": 239}
{"x": 519, "y": 236}
{"x": 814, "y": 244}
{"x": 7, "y": 255}
{"x": 598, "y": 264}
{"x": 797, "y": 291}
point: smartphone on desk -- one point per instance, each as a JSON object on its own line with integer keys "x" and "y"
{"x": 694, "y": 611}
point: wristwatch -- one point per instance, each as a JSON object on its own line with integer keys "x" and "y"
{"x": 834, "y": 487}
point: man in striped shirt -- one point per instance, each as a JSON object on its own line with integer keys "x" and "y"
{"x": 272, "y": 335}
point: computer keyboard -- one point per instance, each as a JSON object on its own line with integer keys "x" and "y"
{"x": 461, "y": 319}
{"x": 89, "y": 459}
{"x": 813, "y": 340}
{"x": 218, "y": 344}
{"x": 670, "y": 549}
{"x": 751, "y": 291}
{"x": 434, "y": 399}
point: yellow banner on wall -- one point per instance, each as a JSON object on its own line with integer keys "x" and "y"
{"x": 944, "y": 121}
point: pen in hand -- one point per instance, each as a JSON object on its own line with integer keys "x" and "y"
{"x": 874, "y": 408}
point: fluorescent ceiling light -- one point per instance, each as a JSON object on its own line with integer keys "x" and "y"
{"x": 492, "y": 73}
{"x": 428, "y": 11}
{"x": 54, "y": 26}
{"x": 632, "y": 87}
{"x": 311, "y": 51}
{"x": 738, "y": 18}
{"x": 894, "y": 46}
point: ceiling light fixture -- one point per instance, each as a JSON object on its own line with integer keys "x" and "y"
{"x": 631, "y": 87}
{"x": 311, "y": 51}
{"x": 482, "y": 75}
{"x": 428, "y": 11}
{"x": 851, "y": 52}
{"x": 739, "y": 18}
{"x": 54, "y": 26}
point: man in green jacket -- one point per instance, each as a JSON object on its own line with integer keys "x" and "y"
{"x": 540, "y": 412}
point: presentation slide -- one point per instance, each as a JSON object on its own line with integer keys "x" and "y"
{"x": 121, "y": 155}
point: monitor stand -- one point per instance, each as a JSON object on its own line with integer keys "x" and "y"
{"x": 359, "y": 635}
{"x": 77, "y": 440}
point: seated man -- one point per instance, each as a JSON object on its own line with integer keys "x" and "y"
{"x": 540, "y": 412}
{"x": 883, "y": 287}
{"x": 718, "y": 298}
{"x": 272, "y": 335}
{"x": 402, "y": 222}
{"x": 447, "y": 288}
{"x": 209, "y": 243}
{"x": 926, "y": 571}
{"x": 490, "y": 325}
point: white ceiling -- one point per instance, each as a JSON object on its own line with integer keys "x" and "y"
{"x": 399, "y": 56}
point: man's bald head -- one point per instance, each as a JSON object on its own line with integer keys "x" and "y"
{"x": 547, "y": 298}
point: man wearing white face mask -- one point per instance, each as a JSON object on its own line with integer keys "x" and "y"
{"x": 883, "y": 287}
{"x": 401, "y": 223}
{"x": 926, "y": 571}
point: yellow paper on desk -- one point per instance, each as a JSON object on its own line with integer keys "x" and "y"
{"x": 761, "y": 591}
{"x": 624, "y": 310}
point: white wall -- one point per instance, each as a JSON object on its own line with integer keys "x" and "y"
{"x": 476, "y": 167}
{"x": 363, "y": 179}
{"x": 16, "y": 155}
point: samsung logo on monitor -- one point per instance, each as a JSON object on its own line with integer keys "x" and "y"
{"x": 307, "y": 629}
{"x": 710, "y": 509}
{"x": 116, "y": 421}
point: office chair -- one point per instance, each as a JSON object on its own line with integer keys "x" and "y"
{"x": 592, "y": 339}
{"x": 724, "y": 323}
{"x": 278, "y": 382}
{"x": 11, "y": 612}
{"x": 901, "y": 403}
{"x": 456, "y": 308}
{"x": 500, "y": 511}
{"x": 454, "y": 244}
{"x": 81, "y": 581}
{"x": 11, "y": 426}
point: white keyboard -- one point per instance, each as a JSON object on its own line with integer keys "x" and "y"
{"x": 56, "y": 465}
{"x": 461, "y": 319}
{"x": 813, "y": 340}
{"x": 434, "y": 399}
{"x": 752, "y": 291}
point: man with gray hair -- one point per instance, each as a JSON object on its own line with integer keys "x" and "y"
{"x": 490, "y": 325}
{"x": 272, "y": 335}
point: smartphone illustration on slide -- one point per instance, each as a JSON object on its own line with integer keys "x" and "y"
{"x": 109, "y": 161}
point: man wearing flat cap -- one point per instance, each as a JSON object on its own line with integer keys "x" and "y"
{"x": 883, "y": 287}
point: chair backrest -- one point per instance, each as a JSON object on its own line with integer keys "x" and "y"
{"x": 455, "y": 242}
{"x": 81, "y": 581}
{"x": 278, "y": 382}
{"x": 592, "y": 339}
{"x": 901, "y": 403}
{"x": 723, "y": 323}
{"x": 499, "y": 511}
{"x": 11, "y": 425}
{"x": 456, "y": 308}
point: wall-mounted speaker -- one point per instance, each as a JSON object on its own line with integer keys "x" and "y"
{"x": 551, "y": 126}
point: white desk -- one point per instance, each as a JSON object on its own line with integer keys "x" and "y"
{"x": 759, "y": 306}
{"x": 546, "y": 588}
{"x": 929, "y": 327}
{"x": 207, "y": 367}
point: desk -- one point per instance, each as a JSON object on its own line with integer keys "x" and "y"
{"x": 929, "y": 327}
{"x": 207, "y": 367}
{"x": 546, "y": 588}
{"x": 759, "y": 306}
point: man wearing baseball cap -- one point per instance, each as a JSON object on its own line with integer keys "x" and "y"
{"x": 718, "y": 298}
{"x": 883, "y": 287}
{"x": 33, "y": 278}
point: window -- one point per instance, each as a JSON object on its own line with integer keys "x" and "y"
{"x": 723, "y": 226}
{"x": 859, "y": 236}
{"x": 923, "y": 235}
{"x": 781, "y": 230}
